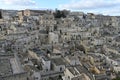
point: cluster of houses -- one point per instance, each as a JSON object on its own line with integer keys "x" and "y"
{"x": 35, "y": 45}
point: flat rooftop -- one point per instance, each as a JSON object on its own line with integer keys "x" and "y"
{"x": 59, "y": 61}
{"x": 5, "y": 67}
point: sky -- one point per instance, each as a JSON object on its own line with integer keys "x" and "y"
{"x": 106, "y": 7}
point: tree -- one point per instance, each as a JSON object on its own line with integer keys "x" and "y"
{"x": 117, "y": 78}
{"x": 0, "y": 14}
{"x": 60, "y": 14}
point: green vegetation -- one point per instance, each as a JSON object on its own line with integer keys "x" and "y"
{"x": 118, "y": 78}
{"x": 60, "y": 14}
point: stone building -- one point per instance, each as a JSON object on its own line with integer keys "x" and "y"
{"x": 47, "y": 22}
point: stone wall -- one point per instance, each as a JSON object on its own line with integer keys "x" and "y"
{"x": 20, "y": 76}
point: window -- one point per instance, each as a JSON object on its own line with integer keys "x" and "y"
{"x": 68, "y": 77}
{"x": 60, "y": 68}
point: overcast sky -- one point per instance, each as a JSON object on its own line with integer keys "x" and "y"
{"x": 107, "y": 7}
